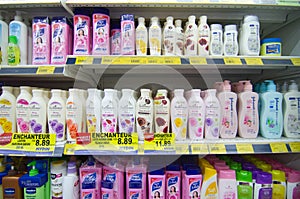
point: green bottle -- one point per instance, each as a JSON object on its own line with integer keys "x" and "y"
{"x": 13, "y": 51}
{"x": 244, "y": 184}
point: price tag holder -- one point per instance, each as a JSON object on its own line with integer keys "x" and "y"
{"x": 295, "y": 61}
{"x": 199, "y": 149}
{"x": 244, "y": 148}
{"x": 252, "y": 61}
{"x": 182, "y": 148}
{"x": 278, "y": 147}
{"x": 84, "y": 60}
{"x": 42, "y": 70}
{"x": 217, "y": 149}
{"x": 232, "y": 61}
{"x": 198, "y": 61}
{"x": 161, "y": 142}
{"x": 295, "y": 147}
{"x": 155, "y": 60}
{"x": 172, "y": 60}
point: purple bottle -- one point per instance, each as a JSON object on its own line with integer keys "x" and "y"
{"x": 263, "y": 186}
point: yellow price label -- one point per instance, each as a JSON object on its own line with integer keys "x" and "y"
{"x": 125, "y": 142}
{"x": 254, "y": 61}
{"x": 217, "y": 149}
{"x": 45, "y": 70}
{"x": 182, "y": 148}
{"x": 137, "y": 60}
{"x": 107, "y": 60}
{"x": 172, "y": 60}
{"x": 232, "y": 61}
{"x": 161, "y": 142}
{"x": 198, "y": 61}
{"x": 199, "y": 149}
{"x": 295, "y": 61}
{"x": 244, "y": 148}
{"x": 81, "y": 60}
{"x": 278, "y": 147}
{"x": 70, "y": 149}
{"x": 155, "y": 60}
{"x": 295, "y": 147}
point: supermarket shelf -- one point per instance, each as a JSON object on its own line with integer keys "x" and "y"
{"x": 58, "y": 152}
{"x": 29, "y": 3}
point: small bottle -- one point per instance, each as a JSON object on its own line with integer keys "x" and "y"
{"x": 155, "y": 37}
{"x": 162, "y": 111}
{"x": 127, "y": 111}
{"x": 58, "y": 172}
{"x": 293, "y": 188}
{"x": 231, "y": 46}
{"x": 13, "y": 51}
{"x": 191, "y": 37}
{"x": 38, "y": 112}
{"x": 169, "y": 36}
{"x": 7, "y": 110}
{"x": 71, "y": 182}
{"x": 216, "y": 40}
{"x": 204, "y": 37}
{"x": 22, "y": 110}
{"x": 109, "y": 113}
{"x": 141, "y": 37}
{"x": 179, "y": 41}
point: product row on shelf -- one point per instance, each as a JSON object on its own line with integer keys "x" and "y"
{"x": 92, "y": 33}
{"x": 220, "y": 177}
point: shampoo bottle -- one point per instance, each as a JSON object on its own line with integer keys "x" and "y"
{"x": 58, "y": 172}
{"x": 93, "y": 111}
{"x": 127, "y": 34}
{"x": 204, "y": 37}
{"x": 127, "y": 112}
{"x": 173, "y": 181}
{"x": 227, "y": 184}
{"x": 193, "y": 181}
{"x": 38, "y": 112}
{"x": 271, "y": 119}
{"x": 263, "y": 186}
{"x": 162, "y": 111}
{"x": 22, "y": 110}
{"x": 216, "y": 40}
{"x": 71, "y": 182}
{"x": 179, "y": 41}
{"x": 107, "y": 191}
{"x": 244, "y": 185}
{"x": 135, "y": 190}
{"x": 209, "y": 187}
{"x": 191, "y": 37}
{"x": 3, "y": 40}
{"x": 115, "y": 41}
{"x": 141, "y": 37}
{"x": 156, "y": 183}
{"x": 155, "y": 37}
{"x": 169, "y": 36}
{"x": 109, "y": 113}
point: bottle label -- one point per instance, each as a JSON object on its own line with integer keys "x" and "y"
{"x": 155, "y": 40}
{"x": 253, "y": 39}
{"x": 127, "y": 118}
{"x": 72, "y": 111}
{"x": 194, "y": 188}
{"x": 116, "y": 42}
{"x": 35, "y": 114}
{"x": 141, "y": 41}
{"x": 191, "y": 40}
{"x": 101, "y": 35}
{"x": 204, "y": 40}
{"x": 156, "y": 188}
{"x": 179, "y": 42}
{"x": 15, "y": 29}
{"x": 265, "y": 193}
{"x": 216, "y": 43}
{"x": 273, "y": 49}
{"x": 81, "y": 35}
{"x": 229, "y": 119}
{"x": 244, "y": 192}
{"x": 144, "y": 118}
{"x": 135, "y": 194}
{"x": 169, "y": 40}
{"x": 230, "y": 44}
{"x": 40, "y": 45}
{"x": 250, "y": 118}
{"x": 6, "y": 113}
{"x": 109, "y": 118}
{"x": 127, "y": 37}
{"x": 162, "y": 114}
{"x": 272, "y": 121}
{"x": 22, "y": 115}
{"x": 59, "y": 43}
{"x": 57, "y": 185}
{"x": 173, "y": 186}
{"x": 212, "y": 119}
{"x": 56, "y": 120}
{"x": 196, "y": 119}
{"x": 93, "y": 123}
{"x": 179, "y": 123}
{"x": 293, "y": 118}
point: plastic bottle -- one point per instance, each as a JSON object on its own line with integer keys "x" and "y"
{"x": 179, "y": 41}
{"x": 216, "y": 40}
{"x": 71, "y": 182}
{"x": 144, "y": 116}
{"x": 291, "y": 114}
{"x": 115, "y": 39}
{"x": 93, "y": 111}
{"x": 19, "y": 29}
{"x": 191, "y": 37}
{"x": 249, "y": 38}
{"x": 212, "y": 115}
{"x": 22, "y": 110}
{"x": 196, "y": 115}
{"x": 82, "y": 32}
{"x": 231, "y": 46}
{"x": 279, "y": 184}
{"x": 169, "y": 36}
{"x": 107, "y": 191}
{"x": 11, "y": 188}
{"x": 173, "y": 181}
{"x": 73, "y": 115}
{"x": 155, "y": 36}
{"x": 162, "y": 111}
{"x": 109, "y": 113}
{"x": 248, "y": 112}
{"x": 58, "y": 172}
{"x": 228, "y": 103}
{"x": 209, "y": 187}
{"x": 38, "y": 112}
{"x": 263, "y": 186}
{"x": 203, "y": 37}
{"x": 13, "y": 51}
{"x": 244, "y": 185}
{"x": 271, "y": 118}
{"x": 3, "y": 173}
{"x": 3, "y": 40}
{"x": 127, "y": 34}
{"x": 193, "y": 181}
{"x": 127, "y": 112}
{"x": 141, "y": 37}
{"x": 101, "y": 28}
{"x": 156, "y": 184}
{"x": 135, "y": 190}
{"x": 57, "y": 115}
{"x": 41, "y": 46}
{"x": 179, "y": 114}
{"x": 227, "y": 184}
{"x": 293, "y": 188}
{"x": 7, "y": 110}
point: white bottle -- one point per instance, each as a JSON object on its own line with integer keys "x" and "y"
{"x": 19, "y": 29}
{"x": 82, "y": 95}
{"x": 228, "y": 103}
{"x": 227, "y": 184}
{"x": 144, "y": 115}
{"x": 71, "y": 182}
{"x": 250, "y": 38}
{"x": 179, "y": 114}
{"x": 127, "y": 112}
{"x": 38, "y": 112}
{"x": 169, "y": 36}
{"x": 212, "y": 115}
{"x": 216, "y": 40}
{"x": 93, "y": 111}
{"x": 22, "y": 110}
{"x": 203, "y": 37}
{"x": 162, "y": 112}
{"x": 58, "y": 172}
{"x": 231, "y": 46}
{"x": 155, "y": 37}
{"x": 57, "y": 115}
{"x": 141, "y": 37}
{"x": 191, "y": 37}
{"x": 291, "y": 111}
{"x": 179, "y": 41}
{"x": 109, "y": 113}
{"x": 196, "y": 108}
{"x": 73, "y": 115}
{"x": 7, "y": 111}
{"x": 3, "y": 41}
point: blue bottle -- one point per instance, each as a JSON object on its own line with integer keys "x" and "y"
{"x": 271, "y": 117}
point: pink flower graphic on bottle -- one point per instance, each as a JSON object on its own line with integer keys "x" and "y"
{"x": 247, "y": 121}
{"x": 109, "y": 125}
{"x": 225, "y": 122}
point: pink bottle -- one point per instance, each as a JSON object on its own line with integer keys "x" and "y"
{"x": 221, "y": 167}
{"x": 101, "y": 28}
{"x": 41, "y": 41}
{"x": 107, "y": 190}
{"x": 173, "y": 182}
{"x": 135, "y": 190}
{"x": 156, "y": 183}
{"x": 115, "y": 41}
{"x": 61, "y": 36}
{"x": 227, "y": 184}
{"x": 127, "y": 34}
{"x": 82, "y": 32}
{"x": 193, "y": 180}
{"x": 293, "y": 185}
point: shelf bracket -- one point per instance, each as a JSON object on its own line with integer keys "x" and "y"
{"x": 66, "y": 7}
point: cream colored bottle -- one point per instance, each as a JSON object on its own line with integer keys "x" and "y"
{"x": 155, "y": 37}
{"x": 141, "y": 37}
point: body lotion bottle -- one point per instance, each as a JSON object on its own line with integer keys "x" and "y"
{"x": 38, "y": 112}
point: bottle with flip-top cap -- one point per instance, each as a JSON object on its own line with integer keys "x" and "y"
{"x": 191, "y": 37}
{"x": 204, "y": 37}
{"x": 141, "y": 37}
{"x": 169, "y": 36}
{"x": 155, "y": 37}
{"x": 179, "y": 41}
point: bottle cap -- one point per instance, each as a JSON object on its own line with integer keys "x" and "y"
{"x": 247, "y": 85}
{"x": 178, "y": 23}
{"x": 245, "y": 176}
{"x": 107, "y": 184}
{"x": 293, "y": 86}
{"x": 127, "y": 17}
{"x": 278, "y": 175}
{"x": 72, "y": 167}
{"x": 173, "y": 167}
{"x": 203, "y": 19}
{"x": 263, "y": 87}
{"x": 227, "y": 174}
{"x": 170, "y": 18}
{"x": 101, "y": 11}
{"x": 270, "y": 85}
{"x": 271, "y": 40}
{"x": 13, "y": 39}
{"x": 264, "y": 178}
{"x": 154, "y": 19}
{"x": 215, "y": 27}
{"x": 82, "y": 11}
{"x": 192, "y": 19}
{"x": 250, "y": 18}
{"x": 231, "y": 27}
{"x": 162, "y": 91}
{"x": 293, "y": 176}
{"x": 141, "y": 20}
{"x": 227, "y": 86}
{"x": 33, "y": 171}
{"x": 193, "y": 171}
{"x": 157, "y": 172}
{"x": 178, "y": 91}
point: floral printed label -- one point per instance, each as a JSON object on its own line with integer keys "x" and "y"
{"x": 173, "y": 186}
{"x": 72, "y": 121}
{"x": 144, "y": 119}
{"x": 109, "y": 118}
{"x": 93, "y": 124}
{"x": 293, "y": 118}
{"x": 250, "y": 119}
{"x": 169, "y": 40}
{"x": 155, "y": 40}
{"x": 22, "y": 115}
{"x": 229, "y": 118}
{"x": 179, "y": 123}
{"x": 56, "y": 120}
{"x": 127, "y": 118}
{"x": 35, "y": 125}
{"x": 116, "y": 42}
{"x": 216, "y": 43}
{"x": 212, "y": 120}
{"x": 162, "y": 114}
{"x": 5, "y": 114}
{"x": 203, "y": 42}
{"x": 196, "y": 119}
{"x": 272, "y": 122}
